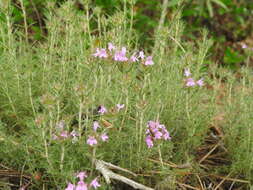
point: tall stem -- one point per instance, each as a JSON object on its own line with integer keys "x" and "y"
{"x": 160, "y": 155}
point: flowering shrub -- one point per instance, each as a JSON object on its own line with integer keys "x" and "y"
{"x": 156, "y": 131}
{"x": 120, "y": 55}
{"x": 81, "y": 185}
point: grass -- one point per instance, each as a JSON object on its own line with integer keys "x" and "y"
{"x": 57, "y": 79}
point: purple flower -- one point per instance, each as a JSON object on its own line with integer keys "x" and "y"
{"x": 152, "y": 124}
{"x": 95, "y": 126}
{"x": 64, "y": 134}
{"x": 149, "y": 61}
{"x": 190, "y": 82}
{"x": 81, "y": 175}
{"x": 111, "y": 47}
{"x": 155, "y": 131}
{"x": 134, "y": 58}
{"x": 244, "y": 46}
{"x": 166, "y": 135}
{"x": 141, "y": 55}
{"x": 101, "y": 53}
{"x": 92, "y": 141}
{"x": 81, "y": 186}
{"x": 94, "y": 183}
{"x": 187, "y": 72}
{"x": 149, "y": 141}
{"x": 70, "y": 186}
{"x": 104, "y": 137}
{"x": 120, "y": 106}
{"x": 200, "y": 82}
{"x": 102, "y": 110}
{"x": 158, "y": 135}
{"x": 120, "y": 55}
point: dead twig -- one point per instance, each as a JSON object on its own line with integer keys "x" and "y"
{"x": 210, "y": 152}
{"x": 171, "y": 164}
{"x": 103, "y": 168}
{"x": 222, "y": 181}
{"x": 188, "y": 186}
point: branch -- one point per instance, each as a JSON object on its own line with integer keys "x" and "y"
{"x": 102, "y": 167}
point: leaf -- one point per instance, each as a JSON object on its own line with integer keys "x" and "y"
{"x": 209, "y": 7}
{"x": 220, "y": 3}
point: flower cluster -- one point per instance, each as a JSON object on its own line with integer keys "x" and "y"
{"x": 190, "y": 82}
{"x": 120, "y": 55}
{"x": 93, "y": 139}
{"x": 62, "y": 134}
{"x": 81, "y": 185}
{"x": 155, "y": 131}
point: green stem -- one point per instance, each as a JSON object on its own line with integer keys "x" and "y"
{"x": 160, "y": 155}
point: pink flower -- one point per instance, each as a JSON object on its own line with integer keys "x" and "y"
{"x": 200, "y": 82}
{"x": 104, "y": 137}
{"x": 156, "y": 131}
{"x": 187, "y": 72}
{"x": 92, "y": 141}
{"x": 102, "y": 110}
{"x": 95, "y": 125}
{"x": 94, "y": 183}
{"x": 81, "y": 175}
{"x": 153, "y": 126}
{"x": 81, "y": 186}
{"x": 101, "y": 53}
{"x": 149, "y": 141}
{"x": 70, "y": 186}
{"x": 190, "y": 82}
{"x": 120, "y": 106}
{"x": 134, "y": 58}
{"x": 111, "y": 47}
{"x": 149, "y": 61}
{"x": 141, "y": 55}
{"x": 166, "y": 135}
{"x": 64, "y": 134}
{"x": 158, "y": 135}
{"x": 120, "y": 55}
{"x": 244, "y": 46}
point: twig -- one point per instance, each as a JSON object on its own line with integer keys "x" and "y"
{"x": 222, "y": 181}
{"x": 188, "y": 186}
{"x": 102, "y": 167}
{"x": 210, "y": 152}
{"x": 200, "y": 182}
{"x": 171, "y": 164}
{"x": 109, "y": 165}
{"x": 229, "y": 179}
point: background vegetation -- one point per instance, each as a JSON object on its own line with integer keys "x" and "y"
{"x": 48, "y": 75}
